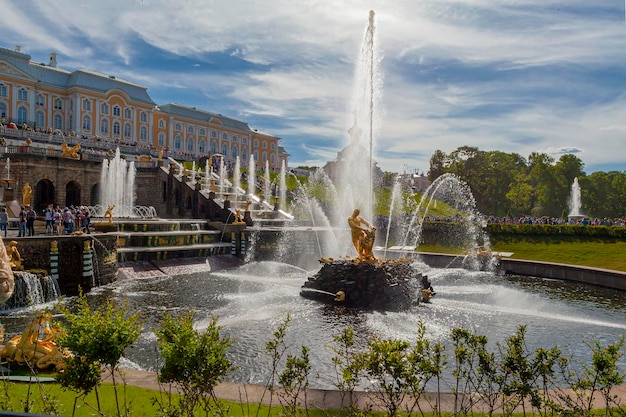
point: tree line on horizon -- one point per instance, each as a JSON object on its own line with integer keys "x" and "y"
{"x": 507, "y": 184}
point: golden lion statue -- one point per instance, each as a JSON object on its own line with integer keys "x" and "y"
{"x": 67, "y": 152}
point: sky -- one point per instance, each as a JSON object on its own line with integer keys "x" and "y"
{"x": 517, "y": 76}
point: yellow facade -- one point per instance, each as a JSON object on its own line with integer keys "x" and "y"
{"x": 95, "y": 106}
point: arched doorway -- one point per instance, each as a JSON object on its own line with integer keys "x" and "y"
{"x": 44, "y": 195}
{"x": 72, "y": 194}
{"x": 95, "y": 194}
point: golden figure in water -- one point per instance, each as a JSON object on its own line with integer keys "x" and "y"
{"x": 362, "y": 238}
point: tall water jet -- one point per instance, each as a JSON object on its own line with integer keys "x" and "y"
{"x": 237, "y": 176}
{"x": 117, "y": 185}
{"x": 251, "y": 175}
{"x": 267, "y": 183}
{"x": 282, "y": 197}
{"x": 356, "y": 179}
{"x": 574, "y": 202}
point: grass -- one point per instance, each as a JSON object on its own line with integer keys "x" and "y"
{"x": 593, "y": 253}
{"x": 141, "y": 401}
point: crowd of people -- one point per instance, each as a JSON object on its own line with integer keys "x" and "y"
{"x": 58, "y": 221}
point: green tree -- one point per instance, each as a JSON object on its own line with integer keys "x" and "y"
{"x": 97, "y": 339}
{"x": 194, "y": 361}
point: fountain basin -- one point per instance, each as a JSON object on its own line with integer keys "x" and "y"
{"x": 380, "y": 285}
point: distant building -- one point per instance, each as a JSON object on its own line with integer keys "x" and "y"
{"x": 88, "y": 104}
{"x": 415, "y": 182}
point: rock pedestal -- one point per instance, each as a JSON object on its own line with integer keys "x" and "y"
{"x": 381, "y": 285}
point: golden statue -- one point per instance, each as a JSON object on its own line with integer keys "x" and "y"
{"x": 238, "y": 218}
{"x": 67, "y": 152}
{"x": 15, "y": 259}
{"x": 7, "y": 281}
{"x": 108, "y": 214}
{"x": 27, "y": 191}
{"x": 160, "y": 154}
{"x": 36, "y": 346}
{"x": 362, "y": 238}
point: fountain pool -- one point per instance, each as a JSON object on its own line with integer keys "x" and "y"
{"x": 252, "y": 300}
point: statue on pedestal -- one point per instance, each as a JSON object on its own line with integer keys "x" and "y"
{"x": 27, "y": 191}
{"x": 362, "y": 238}
{"x": 15, "y": 259}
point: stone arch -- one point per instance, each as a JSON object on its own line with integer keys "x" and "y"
{"x": 44, "y": 195}
{"x": 95, "y": 194}
{"x": 72, "y": 194}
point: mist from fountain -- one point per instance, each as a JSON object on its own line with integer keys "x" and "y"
{"x": 356, "y": 178}
{"x": 117, "y": 185}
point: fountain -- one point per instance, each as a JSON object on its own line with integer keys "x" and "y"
{"x": 117, "y": 182}
{"x": 252, "y": 300}
{"x": 574, "y": 203}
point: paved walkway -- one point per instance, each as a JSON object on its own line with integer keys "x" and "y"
{"x": 323, "y": 399}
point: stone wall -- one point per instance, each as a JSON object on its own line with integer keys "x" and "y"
{"x": 36, "y": 251}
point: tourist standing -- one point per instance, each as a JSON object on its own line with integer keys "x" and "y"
{"x": 31, "y": 215}
{"x": 4, "y": 221}
{"x": 21, "y": 223}
{"x": 49, "y": 220}
{"x": 56, "y": 218}
{"x": 68, "y": 221}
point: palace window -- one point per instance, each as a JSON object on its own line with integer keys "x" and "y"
{"x": 190, "y": 129}
{"x": 264, "y": 157}
{"x": 233, "y": 152}
{"x": 86, "y": 105}
{"x": 177, "y": 126}
{"x": 244, "y": 140}
{"x": 143, "y": 133}
{"x": 58, "y": 122}
{"x": 225, "y": 150}
{"x": 213, "y": 147}
{"x": 224, "y": 136}
{"x": 190, "y": 144}
{"x": 161, "y": 123}
{"x": 117, "y": 111}
{"x": 39, "y": 118}
{"x": 256, "y": 143}
{"x": 116, "y": 128}
{"x": 104, "y": 126}
{"x": 234, "y": 139}
{"x": 127, "y": 130}
{"x": 22, "y": 115}
{"x": 143, "y": 117}
{"x": 3, "y": 109}
{"x": 256, "y": 155}
{"x": 272, "y": 159}
{"x": 201, "y": 147}
{"x": 86, "y": 123}
{"x": 273, "y": 146}
{"x": 104, "y": 108}
{"x": 58, "y": 104}
{"x": 244, "y": 154}
{"x": 22, "y": 94}
{"x": 213, "y": 134}
{"x": 128, "y": 113}
{"x": 202, "y": 132}
{"x": 3, "y": 90}
{"x": 161, "y": 139}
{"x": 178, "y": 142}
{"x": 40, "y": 100}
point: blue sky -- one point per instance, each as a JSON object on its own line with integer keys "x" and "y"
{"x": 511, "y": 75}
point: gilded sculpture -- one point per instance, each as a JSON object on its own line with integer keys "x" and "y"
{"x": 362, "y": 238}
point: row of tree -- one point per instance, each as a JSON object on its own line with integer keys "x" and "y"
{"x": 507, "y": 184}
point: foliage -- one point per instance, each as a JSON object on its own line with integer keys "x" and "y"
{"x": 509, "y": 185}
{"x": 194, "y": 361}
{"x": 97, "y": 339}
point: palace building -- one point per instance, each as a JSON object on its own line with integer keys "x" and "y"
{"x": 94, "y": 106}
